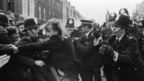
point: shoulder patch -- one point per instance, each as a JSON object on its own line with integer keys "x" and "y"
{"x": 131, "y": 38}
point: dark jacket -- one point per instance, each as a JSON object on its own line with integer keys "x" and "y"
{"x": 27, "y": 61}
{"x": 10, "y": 72}
{"x": 28, "y": 58}
{"x": 129, "y": 62}
{"x": 4, "y": 41}
{"x": 62, "y": 49}
{"x": 87, "y": 52}
{"x": 141, "y": 44}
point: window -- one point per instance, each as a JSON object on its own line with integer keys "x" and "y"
{"x": 57, "y": 4}
{"x": 44, "y": 12}
{"x": 49, "y": 1}
{"x": 53, "y": 1}
{"x": 53, "y": 14}
{"x": 40, "y": 16}
{"x": 10, "y": 5}
{"x": 50, "y": 13}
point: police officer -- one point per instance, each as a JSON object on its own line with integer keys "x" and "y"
{"x": 33, "y": 63}
{"x": 71, "y": 29}
{"x": 87, "y": 53}
{"x": 6, "y": 48}
{"x": 4, "y": 40}
{"x": 124, "y": 50}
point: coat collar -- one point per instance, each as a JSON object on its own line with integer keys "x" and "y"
{"x": 122, "y": 42}
{"x": 55, "y": 37}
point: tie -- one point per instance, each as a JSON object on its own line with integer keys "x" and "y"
{"x": 117, "y": 42}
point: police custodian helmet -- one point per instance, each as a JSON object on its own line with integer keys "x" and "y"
{"x": 4, "y": 20}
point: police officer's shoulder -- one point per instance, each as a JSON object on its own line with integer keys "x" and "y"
{"x": 26, "y": 38}
{"x": 130, "y": 37}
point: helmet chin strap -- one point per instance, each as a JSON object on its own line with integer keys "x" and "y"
{"x": 120, "y": 32}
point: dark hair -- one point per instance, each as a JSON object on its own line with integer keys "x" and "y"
{"x": 12, "y": 30}
{"x": 56, "y": 27}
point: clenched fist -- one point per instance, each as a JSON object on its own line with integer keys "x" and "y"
{"x": 39, "y": 63}
{"x": 103, "y": 48}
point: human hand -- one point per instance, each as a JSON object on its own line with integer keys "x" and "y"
{"x": 4, "y": 59}
{"x": 14, "y": 48}
{"x": 39, "y": 63}
{"x": 115, "y": 58}
{"x": 103, "y": 48}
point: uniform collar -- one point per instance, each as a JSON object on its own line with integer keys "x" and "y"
{"x": 87, "y": 34}
{"x": 120, "y": 38}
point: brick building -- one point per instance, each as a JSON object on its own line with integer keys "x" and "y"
{"x": 41, "y": 10}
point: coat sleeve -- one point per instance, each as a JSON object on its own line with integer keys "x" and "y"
{"x": 4, "y": 39}
{"x": 26, "y": 60}
{"x": 5, "y": 49}
{"x": 39, "y": 46}
{"x": 82, "y": 48}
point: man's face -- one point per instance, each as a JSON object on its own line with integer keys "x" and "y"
{"x": 32, "y": 32}
{"x": 21, "y": 28}
{"x": 117, "y": 31}
{"x": 85, "y": 29}
{"x": 70, "y": 30}
{"x": 122, "y": 11}
{"x": 50, "y": 30}
{"x": 2, "y": 28}
{"x": 15, "y": 36}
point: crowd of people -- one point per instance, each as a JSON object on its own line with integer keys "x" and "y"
{"x": 29, "y": 52}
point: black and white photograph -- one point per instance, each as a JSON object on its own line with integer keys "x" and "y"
{"x": 71, "y": 40}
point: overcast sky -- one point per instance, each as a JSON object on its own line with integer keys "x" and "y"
{"x": 96, "y": 9}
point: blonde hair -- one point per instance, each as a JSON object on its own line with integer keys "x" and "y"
{"x": 52, "y": 21}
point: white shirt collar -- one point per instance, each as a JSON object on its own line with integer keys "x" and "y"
{"x": 87, "y": 34}
{"x": 120, "y": 38}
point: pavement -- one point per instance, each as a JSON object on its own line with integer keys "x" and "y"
{"x": 59, "y": 78}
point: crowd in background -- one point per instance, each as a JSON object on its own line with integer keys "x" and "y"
{"x": 29, "y": 52}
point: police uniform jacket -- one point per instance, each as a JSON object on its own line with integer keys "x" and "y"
{"x": 129, "y": 63}
{"x": 4, "y": 41}
{"x": 87, "y": 52}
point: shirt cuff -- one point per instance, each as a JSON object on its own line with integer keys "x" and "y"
{"x": 116, "y": 55}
